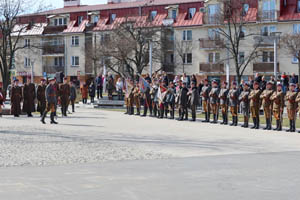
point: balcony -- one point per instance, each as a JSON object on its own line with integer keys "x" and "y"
{"x": 168, "y": 22}
{"x": 54, "y": 29}
{"x": 213, "y": 68}
{"x": 207, "y": 43}
{"x": 53, "y": 50}
{"x": 264, "y": 41}
{"x": 53, "y": 69}
{"x": 264, "y": 67}
{"x": 268, "y": 15}
{"x": 212, "y": 19}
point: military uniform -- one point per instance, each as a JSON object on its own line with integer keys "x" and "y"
{"x": 267, "y": 106}
{"x": 147, "y": 101}
{"x": 64, "y": 91}
{"x": 73, "y": 96}
{"x": 51, "y": 97}
{"x": 137, "y": 101}
{"x": 233, "y": 96}
{"x": 244, "y": 104}
{"x": 170, "y": 99}
{"x": 224, "y": 104}
{"x": 278, "y": 106}
{"x": 254, "y": 97}
{"x": 29, "y": 97}
{"x": 41, "y": 92}
{"x": 214, "y": 101}
{"x": 154, "y": 99}
{"x": 291, "y": 109}
{"x": 16, "y": 98}
{"x": 182, "y": 102}
{"x": 205, "y": 101}
{"x": 131, "y": 101}
{"x": 194, "y": 101}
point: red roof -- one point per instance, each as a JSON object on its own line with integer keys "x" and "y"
{"x": 183, "y": 21}
{"x": 74, "y": 28}
{"x": 289, "y": 13}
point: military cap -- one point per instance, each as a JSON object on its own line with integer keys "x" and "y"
{"x": 246, "y": 84}
{"x": 233, "y": 83}
{"x": 256, "y": 83}
{"x": 293, "y": 84}
{"x": 224, "y": 82}
{"x": 215, "y": 81}
{"x": 51, "y": 79}
{"x": 279, "y": 84}
{"x": 269, "y": 83}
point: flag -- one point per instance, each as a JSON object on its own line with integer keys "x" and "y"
{"x": 161, "y": 93}
{"x": 143, "y": 84}
{"x": 129, "y": 87}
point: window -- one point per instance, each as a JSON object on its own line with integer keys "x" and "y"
{"x": 58, "y": 61}
{"x": 27, "y": 62}
{"x": 187, "y": 35}
{"x": 187, "y": 58}
{"x": 268, "y": 56}
{"x": 298, "y": 6}
{"x": 60, "y": 21}
{"x": 153, "y": 15}
{"x": 296, "y": 28}
{"x": 213, "y": 34}
{"x": 213, "y": 10}
{"x": 112, "y": 18}
{"x": 213, "y": 57}
{"x": 75, "y": 40}
{"x": 95, "y": 18}
{"x": 241, "y": 57}
{"x": 268, "y": 30}
{"x": 174, "y": 14}
{"x": 268, "y": 9}
{"x": 75, "y": 61}
{"x": 27, "y": 43}
{"x": 80, "y": 19}
{"x": 245, "y": 9}
{"x": 192, "y": 12}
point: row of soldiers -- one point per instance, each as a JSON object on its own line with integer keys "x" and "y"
{"x": 46, "y": 96}
{"x": 216, "y": 98}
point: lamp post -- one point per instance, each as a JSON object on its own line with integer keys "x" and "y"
{"x": 276, "y": 37}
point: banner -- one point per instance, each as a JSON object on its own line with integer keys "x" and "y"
{"x": 143, "y": 84}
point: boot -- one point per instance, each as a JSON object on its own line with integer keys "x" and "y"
{"x": 214, "y": 119}
{"x": 186, "y": 115}
{"x": 270, "y": 124}
{"x": 254, "y": 123}
{"x": 257, "y": 123}
{"x": 226, "y": 119}
{"x": 138, "y": 111}
{"x": 126, "y": 111}
{"x": 52, "y": 119}
{"x": 223, "y": 119}
{"x": 236, "y": 121}
{"x": 73, "y": 108}
{"x": 233, "y": 120}
{"x": 161, "y": 114}
{"x": 246, "y": 122}
{"x": 62, "y": 112}
{"x": 43, "y": 117}
{"x": 290, "y": 130}
{"x": 277, "y": 125}
{"x": 280, "y": 126}
{"x": 293, "y": 126}
{"x": 145, "y": 111}
{"x": 208, "y": 116}
{"x": 267, "y": 124}
{"x": 172, "y": 115}
{"x": 205, "y": 114}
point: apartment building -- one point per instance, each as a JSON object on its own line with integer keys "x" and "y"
{"x": 66, "y": 34}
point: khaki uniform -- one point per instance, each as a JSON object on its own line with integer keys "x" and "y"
{"x": 224, "y": 104}
{"x": 131, "y": 101}
{"x": 137, "y": 102}
{"x": 291, "y": 104}
{"x": 64, "y": 92}
{"x": 244, "y": 104}
{"x": 267, "y": 106}
{"x": 214, "y": 101}
{"x": 233, "y": 96}
{"x": 205, "y": 101}
{"x": 278, "y": 106}
{"x": 254, "y": 97}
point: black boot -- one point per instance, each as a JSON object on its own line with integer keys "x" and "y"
{"x": 232, "y": 121}
{"x": 208, "y": 116}
{"x": 43, "y": 117}
{"x": 257, "y": 123}
{"x": 270, "y": 124}
{"x": 267, "y": 124}
{"x": 246, "y": 122}
{"x": 223, "y": 119}
{"x": 205, "y": 114}
{"x": 293, "y": 126}
{"x": 226, "y": 119}
{"x": 214, "y": 119}
{"x": 145, "y": 111}
{"x": 236, "y": 121}
{"x": 254, "y": 123}
{"x": 290, "y": 130}
{"x": 172, "y": 115}
{"x": 277, "y": 125}
{"x": 52, "y": 119}
{"x": 138, "y": 111}
{"x": 73, "y": 108}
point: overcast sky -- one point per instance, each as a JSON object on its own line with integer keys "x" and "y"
{"x": 59, "y": 3}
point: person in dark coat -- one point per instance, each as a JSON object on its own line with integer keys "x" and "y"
{"x": 84, "y": 93}
{"x": 110, "y": 87}
{"x": 51, "y": 97}
{"x": 73, "y": 95}
{"x": 263, "y": 83}
{"x": 16, "y": 98}
{"x": 294, "y": 79}
{"x": 41, "y": 89}
{"x": 99, "y": 84}
{"x": 29, "y": 96}
{"x": 64, "y": 93}
{"x": 147, "y": 99}
{"x": 170, "y": 99}
{"x": 183, "y": 101}
{"x": 92, "y": 91}
{"x": 193, "y": 99}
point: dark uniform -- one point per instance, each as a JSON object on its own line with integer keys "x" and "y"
{"x": 267, "y": 105}
{"x": 254, "y": 97}
{"x": 170, "y": 99}
{"x": 16, "y": 98}
{"x": 205, "y": 100}
{"x": 182, "y": 102}
{"x": 278, "y": 106}
{"x": 64, "y": 92}
{"x": 223, "y": 98}
{"x": 147, "y": 101}
{"x": 73, "y": 96}
{"x": 51, "y": 97}
{"x": 244, "y": 104}
{"x": 194, "y": 100}
{"x": 131, "y": 101}
{"x": 214, "y": 101}
{"x": 29, "y": 97}
{"x": 41, "y": 97}
{"x": 291, "y": 106}
{"x": 233, "y": 96}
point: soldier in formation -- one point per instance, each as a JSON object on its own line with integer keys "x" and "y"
{"x": 29, "y": 96}
{"x": 40, "y": 94}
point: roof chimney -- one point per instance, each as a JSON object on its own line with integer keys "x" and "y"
{"x": 68, "y": 3}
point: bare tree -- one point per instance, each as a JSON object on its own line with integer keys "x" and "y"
{"x": 231, "y": 22}
{"x": 291, "y": 43}
{"x": 11, "y": 32}
{"x": 182, "y": 48}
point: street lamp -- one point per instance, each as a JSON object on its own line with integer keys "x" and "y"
{"x": 276, "y": 37}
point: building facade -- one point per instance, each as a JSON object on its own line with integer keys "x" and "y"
{"x": 65, "y": 35}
